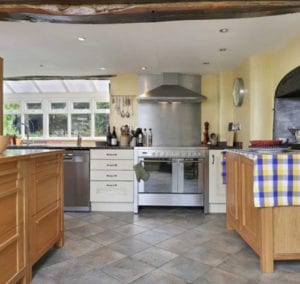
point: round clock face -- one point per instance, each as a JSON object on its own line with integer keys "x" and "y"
{"x": 238, "y": 91}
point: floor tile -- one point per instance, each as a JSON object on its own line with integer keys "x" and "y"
{"x": 185, "y": 268}
{"x": 206, "y": 255}
{"x": 170, "y": 229}
{"x": 155, "y": 256}
{"x": 159, "y": 276}
{"x": 129, "y": 246}
{"x": 217, "y": 276}
{"x": 152, "y": 237}
{"x": 130, "y": 229}
{"x": 107, "y": 237}
{"x": 86, "y": 230}
{"x": 127, "y": 270}
{"x": 95, "y": 277}
{"x": 176, "y": 245}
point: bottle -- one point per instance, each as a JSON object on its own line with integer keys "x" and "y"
{"x": 114, "y": 140}
{"x": 150, "y": 138}
{"x": 145, "y": 137}
{"x": 79, "y": 140}
{"x": 108, "y": 136}
{"x": 140, "y": 140}
{"x": 139, "y": 137}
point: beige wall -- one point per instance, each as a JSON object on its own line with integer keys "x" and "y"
{"x": 261, "y": 74}
{"x": 124, "y": 85}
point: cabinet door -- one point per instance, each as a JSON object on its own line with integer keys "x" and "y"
{"x": 217, "y": 189}
{"x": 249, "y": 214}
{"x": 233, "y": 204}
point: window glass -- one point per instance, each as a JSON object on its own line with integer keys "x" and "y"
{"x": 35, "y": 124}
{"x": 58, "y": 125}
{"x": 101, "y": 122}
{"x": 60, "y": 106}
{"x": 34, "y": 106}
{"x": 81, "y": 124}
{"x": 12, "y": 106}
{"x": 101, "y": 105}
{"x": 81, "y": 105}
{"x": 12, "y": 124}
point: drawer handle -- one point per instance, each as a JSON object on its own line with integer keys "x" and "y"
{"x": 111, "y": 154}
{"x": 111, "y": 185}
{"x": 111, "y": 165}
{"x": 111, "y": 175}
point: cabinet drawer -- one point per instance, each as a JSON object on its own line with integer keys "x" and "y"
{"x": 110, "y": 191}
{"x": 8, "y": 216}
{"x": 8, "y": 262}
{"x": 46, "y": 191}
{"x": 111, "y": 175}
{"x": 45, "y": 229}
{"x": 111, "y": 165}
{"x": 112, "y": 154}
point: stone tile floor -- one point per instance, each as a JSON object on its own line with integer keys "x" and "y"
{"x": 159, "y": 245}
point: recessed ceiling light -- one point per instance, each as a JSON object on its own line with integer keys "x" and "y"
{"x": 224, "y": 30}
{"x": 80, "y": 38}
{"x": 222, "y": 49}
{"x": 102, "y": 68}
{"x": 144, "y": 68}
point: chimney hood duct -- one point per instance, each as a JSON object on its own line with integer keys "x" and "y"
{"x": 173, "y": 87}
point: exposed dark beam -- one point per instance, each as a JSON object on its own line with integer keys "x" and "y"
{"x": 89, "y": 77}
{"x": 118, "y": 11}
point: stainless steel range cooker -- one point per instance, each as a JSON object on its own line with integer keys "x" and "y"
{"x": 178, "y": 177}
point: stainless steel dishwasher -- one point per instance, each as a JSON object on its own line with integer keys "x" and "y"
{"x": 77, "y": 180}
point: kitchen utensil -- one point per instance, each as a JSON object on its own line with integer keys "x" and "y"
{"x": 123, "y": 105}
{"x": 127, "y": 104}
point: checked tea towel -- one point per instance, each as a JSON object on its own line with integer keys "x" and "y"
{"x": 277, "y": 180}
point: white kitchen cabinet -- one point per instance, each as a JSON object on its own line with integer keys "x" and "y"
{"x": 217, "y": 189}
{"x": 111, "y": 179}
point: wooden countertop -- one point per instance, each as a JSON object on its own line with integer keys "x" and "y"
{"x": 9, "y": 154}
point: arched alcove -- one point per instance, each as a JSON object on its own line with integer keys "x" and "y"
{"x": 287, "y": 105}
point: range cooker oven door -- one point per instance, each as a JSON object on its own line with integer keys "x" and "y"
{"x": 172, "y": 182}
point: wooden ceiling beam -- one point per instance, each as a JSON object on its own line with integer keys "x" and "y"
{"x": 118, "y": 11}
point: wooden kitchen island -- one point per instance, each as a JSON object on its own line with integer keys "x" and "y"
{"x": 272, "y": 232}
{"x": 31, "y": 210}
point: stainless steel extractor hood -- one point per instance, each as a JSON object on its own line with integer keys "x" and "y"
{"x": 171, "y": 87}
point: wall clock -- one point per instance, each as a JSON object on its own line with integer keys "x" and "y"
{"x": 238, "y": 91}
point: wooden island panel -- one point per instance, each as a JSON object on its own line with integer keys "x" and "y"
{"x": 12, "y": 223}
{"x": 31, "y": 216}
{"x": 272, "y": 232}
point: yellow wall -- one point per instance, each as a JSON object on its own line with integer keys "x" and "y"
{"x": 121, "y": 86}
{"x": 261, "y": 74}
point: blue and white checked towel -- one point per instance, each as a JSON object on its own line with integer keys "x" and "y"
{"x": 276, "y": 180}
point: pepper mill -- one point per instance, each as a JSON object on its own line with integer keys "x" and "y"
{"x": 205, "y": 133}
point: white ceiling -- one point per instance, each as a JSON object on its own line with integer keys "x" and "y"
{"x": 50, "y": 49}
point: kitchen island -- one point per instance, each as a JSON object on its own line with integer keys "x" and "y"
{"x": 31, "y": 204}
{"x": 261, "y": 206}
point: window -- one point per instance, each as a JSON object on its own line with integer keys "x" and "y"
{"x": 61, "y": 115}
{"x": 81, "y": 124}
{"x": 34, "y": 122}
{"x": 58, "y": 125}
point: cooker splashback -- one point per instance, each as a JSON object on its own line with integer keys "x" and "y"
{"x": 174, "y": 122}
